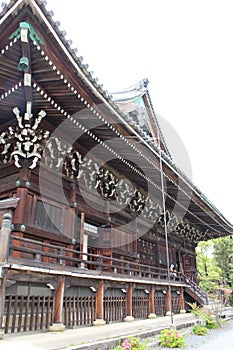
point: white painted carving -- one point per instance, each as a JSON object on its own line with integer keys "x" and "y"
{"x": 27, "y": 139}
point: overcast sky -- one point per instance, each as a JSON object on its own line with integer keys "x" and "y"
{"x": 185, "y": 50}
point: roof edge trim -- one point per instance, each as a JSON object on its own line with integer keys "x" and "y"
{"x": 10, "y": 11}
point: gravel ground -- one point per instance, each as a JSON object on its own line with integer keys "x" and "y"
{"x": 216, "y": 339}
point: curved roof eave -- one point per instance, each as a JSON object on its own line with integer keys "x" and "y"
{"x": 97, "y": 90}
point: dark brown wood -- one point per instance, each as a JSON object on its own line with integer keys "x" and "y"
{"x": 168, "y": 300}
{"x": 45, "y": 250}
{"x": 140, "y": 307}
{"x": 160, "y": 304}
{"x": 19, "y": 213}
{"x": 129, "y": 300}
{"x": 58, "y": 300}
{"x": 152, "y": 300}
{"x": 182, "y": 300}
{"x": 82, "y": 233}
{"x": 26, "y": 312}
{"x": 4, "y": 250}
{"x": 2, "y": 301}
{"x": 5, "y": 237}
{"x": 99, "y": 301}
{"x": 114, "y": 308}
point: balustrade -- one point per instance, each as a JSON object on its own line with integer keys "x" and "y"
{"x": 34, "y": 253}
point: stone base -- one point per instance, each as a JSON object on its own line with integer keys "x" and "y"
{"x": 99, "y": 322}
{"x": 182, "y": 311}
{"x": 2, "y": 333}
{"x": 152, "y": 315}
{"x": 129, "y": 319}
{"x": 169, "y": 313}
{"x": 57, "y": 327}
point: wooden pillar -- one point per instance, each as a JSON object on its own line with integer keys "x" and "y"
{"x": 83, "y": 242}
{"x": 16, "y": 243}
{"x": 129, "y": 304}
{"x": 19, "y": 213}
{"x": 100, "y": 305}
{"x": 168, "y": 303}
{"x": 182, "y": 302}
{"x": 4, "y": 249}
{"x": 70, "y": 217}
{"x": 5, "y": 237}
{"x": 19, "y": 217}
{"x": 45, "y": 249}
{"x": 58, "y": 306}
{"x": 152, "y": 303}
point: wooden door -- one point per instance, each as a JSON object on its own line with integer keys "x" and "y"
{"x": 186, "y": 265}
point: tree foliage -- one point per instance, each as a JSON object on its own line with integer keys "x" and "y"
{"x": 215, "y": 264}
{"x": 209, "y": 272}
{"x": 223, "y": 255}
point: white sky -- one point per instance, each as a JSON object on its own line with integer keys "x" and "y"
{"x": 185, "y": 50}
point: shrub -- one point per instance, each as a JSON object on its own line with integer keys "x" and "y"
{"x": 170, "y": 338}
{"x": 204, "y": 314}
{"x": 210, "y": 322}
{"x": 231, "y": 300}
{"x": 132, "y": 343}
{"x": 199, "y": 330}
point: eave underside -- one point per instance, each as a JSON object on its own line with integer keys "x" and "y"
{"x": 59, "y": 91}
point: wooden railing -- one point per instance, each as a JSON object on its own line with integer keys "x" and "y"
{"x": 27, "y": 313}
{"x": 44, "y": 254}
{"x": 140, "y": 307}
{"x": 160, "y": 305}
{"x": 195, "y": 289}
{"x": 114, "y": 308}
{"x": 78, "y": 310}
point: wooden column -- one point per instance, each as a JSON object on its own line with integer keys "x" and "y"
{"x": 22, "y": 193}
{"x": 129, "y": 304}
{"x": 19, "y": 216}
{"x": 58, "y": 306}
{"x": 4, "y": 250}
{"x": 182, "y": 302}
{"x": 83, "y": 241}
{"x": 168, "y": 302}
{"x": 152, "y": 303}
{"x": 100, "y": 305}
{"x": 20, "y": 210}
{"x": 70, "y": 217}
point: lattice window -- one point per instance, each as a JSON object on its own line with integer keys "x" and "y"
{"x": 48, "y": 216}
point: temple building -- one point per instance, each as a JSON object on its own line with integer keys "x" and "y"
{"x": 93, "y": 209}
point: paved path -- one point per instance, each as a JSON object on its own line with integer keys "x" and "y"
{"x": 216, "y": 339}
{"x": 83, "y": 336}
{"x": 103, "y": 337}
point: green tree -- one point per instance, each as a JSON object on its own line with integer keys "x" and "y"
{"x": 223, "y": 254}
{"x": 209, "y": 272}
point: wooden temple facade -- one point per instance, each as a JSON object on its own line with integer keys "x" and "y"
{"x": 84, "y": 235}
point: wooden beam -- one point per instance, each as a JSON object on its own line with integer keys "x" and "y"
{"x": 99, "y": 321}
{"x": 129, "y": 304}
{"x": 4, "y": 248}
{"x": 182, "y": 301}
{"x": 168, "y": 303}
{"x": 58, "y": 306}
{"x": 152, "y": 303}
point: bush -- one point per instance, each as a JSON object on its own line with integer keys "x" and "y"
{"x": 132, "y": 343}
{"x": 199, "y": 330}
{"x": 231, "y": 300}
{"x": 210, "y": 322}
{"x": 204, "y": 314}
{"x": 170, "y": 338}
